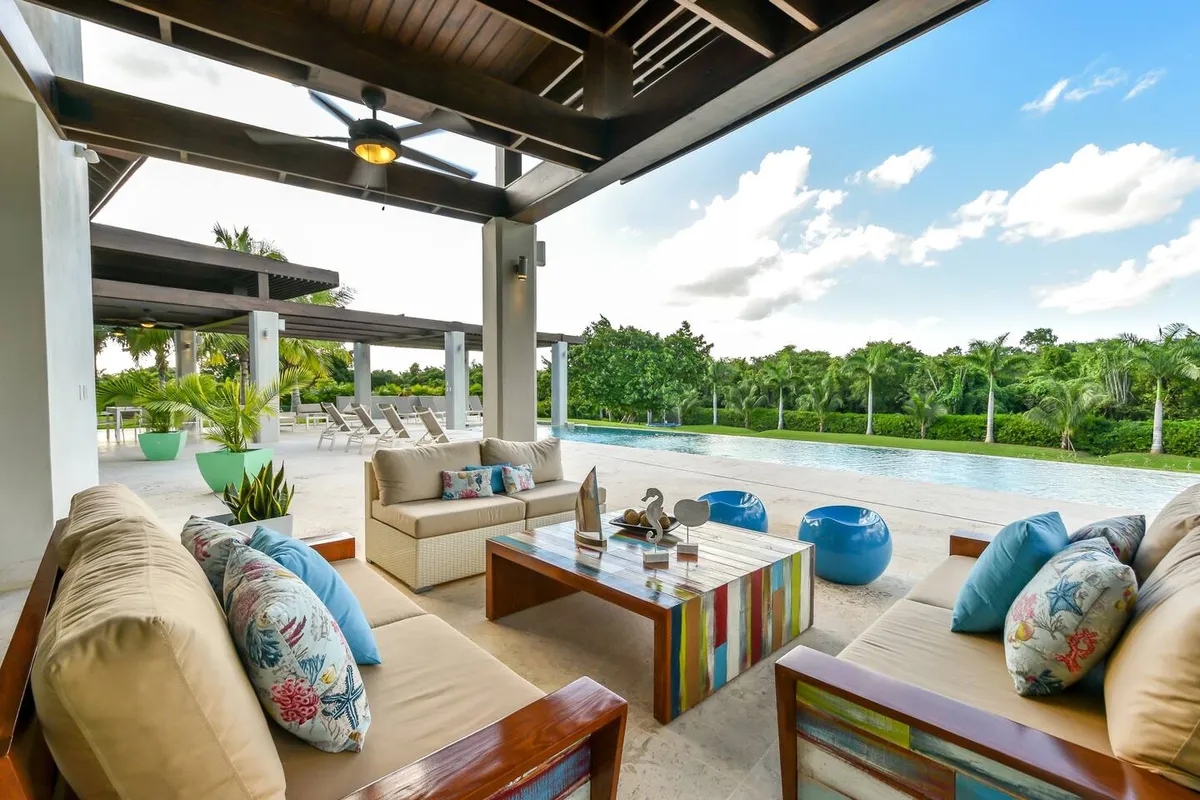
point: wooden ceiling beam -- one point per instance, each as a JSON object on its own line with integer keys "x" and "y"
{"x": 591, "y": 15}
{"x": 755, "y": 23}
{"x": 22, "y": 49}
{"x": 607, "y": 77}
{"x": 809, "y": 13}
{"x": 91, "y": 114}
{"x": 553, "y": 26}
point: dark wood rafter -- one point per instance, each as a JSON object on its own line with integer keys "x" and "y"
{"x": 607, "y": 77}
{"x": 545, "y": 23}
{"x": 18, "y": 44}
{"x": 108, "y": 175}
{"x": 508, "y": 166}
{"x": 757, "y": 24}
{"x": 809, "y": 13}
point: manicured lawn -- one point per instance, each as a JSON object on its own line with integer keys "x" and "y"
{"x": 1137, "y": 460}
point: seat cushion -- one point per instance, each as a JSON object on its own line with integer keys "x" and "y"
{"x": 415, "y": 473}
{"x": 913, "y": 643}
{"x": 434, "y": 687}
{"x": 1178, "y": 518}
{"x": 1152, "y": 684}
{"x": 381, "y": 602}
{"x": 138, "y": 687}
{"x": 554, "y": 497}
{"x": 101, "y": 511}
{"x": 940, "y": 587}
{"x": 422, "y": 519}
{"x": 545, "y": 456}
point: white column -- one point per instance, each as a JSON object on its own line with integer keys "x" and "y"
{"x": 264, "y": 365}
{"x": 362, "y": 375}
{"x": 456, "y": 380}
{"x": 185, "y": 353}
{"x": 558, "y": 383}
{"x": 509, "y": 331}
{"x": 49, "y": 406}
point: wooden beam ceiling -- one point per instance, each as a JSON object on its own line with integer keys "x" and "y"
{"x": 755, "y": 23}
{"x": 556, "y": 28}
{"x": 809, "y": 13}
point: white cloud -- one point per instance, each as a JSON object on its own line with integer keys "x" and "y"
{"x": 1049, "y": 100}
{"x": 829, "y": 199}
{"x": 693, "y": 205}
{"x": 1127, "y": 285}
{"x": 1145, "y": 82}
{"x": 973, "y": 220}
{"x": 1099, "y": 83}
{"x": 896, "y": 170}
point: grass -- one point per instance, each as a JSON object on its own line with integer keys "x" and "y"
{"x": 1136, "y": 460}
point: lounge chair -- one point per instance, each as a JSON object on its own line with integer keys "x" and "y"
{"x": 337, "y": 424}
{"x": 367, "y": 427}
{"x": 474, "y": 410}
{"x": 397, "y": 431}
{"x": 433, "y": 428}
{"x": 310, "y": 413}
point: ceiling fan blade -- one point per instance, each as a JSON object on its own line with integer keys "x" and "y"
{"x": 327, "y": 103}
{"x": 275, "y": 137}
{"x": 439, "y": 120}
{"x": 435, "y": 162}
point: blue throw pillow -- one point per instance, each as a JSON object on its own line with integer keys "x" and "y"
{"x": 497, "y": 475}
{"x": 318, "y": 575}
{"x": 1006, "y": 566}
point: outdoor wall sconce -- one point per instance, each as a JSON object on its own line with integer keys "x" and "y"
{"x": 522, "y": 268}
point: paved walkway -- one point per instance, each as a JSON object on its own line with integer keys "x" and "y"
{"x": 724, "y": 748}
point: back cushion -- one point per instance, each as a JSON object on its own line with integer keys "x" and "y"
{"x": 94, "y": 512}
{"x": 1152, "y": 683}
{"x": 136, "y": 680}
{"x": 415, "y": 473}
{"x": 545, "y": 456}
{"x": 1180, "y": 517}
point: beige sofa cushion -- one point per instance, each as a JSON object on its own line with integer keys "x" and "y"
{"x": 1152, "y": 685}
{"x": 136, "y": 680}
{"x": 1180, "y": 517}
{"x": 423, "y": 519}
{"x": 381, "y": 602}
{"x": 415, "y": 473}
{"x": 433, "y": 688}
{"x": 553, "y": 497}
{"x": 545, "y": 456}
{"x": 913, "y": 643}
{"x": 100, "y": 511}
{"x": 940, "y": 587}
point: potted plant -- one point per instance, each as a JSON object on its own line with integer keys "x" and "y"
{"x": 232, "y": 418}
{"x": 263, "y": 499}
{"x": 162, "y": 440}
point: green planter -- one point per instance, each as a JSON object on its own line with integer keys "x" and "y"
{"x": 221, "y": 467}
{"x": 162, "y": 446}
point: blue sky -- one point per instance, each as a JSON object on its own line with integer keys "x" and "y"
{"x": 800, "y": 251}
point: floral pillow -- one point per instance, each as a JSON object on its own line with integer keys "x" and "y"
{"x": 466, "y": 484}
{"x": 1068, "y": 617}
{"x": 210, "y": 543}
{"x": 294, "y": 653}
{"x": 518, "y": 478}
{"x": 1124, "y": 534}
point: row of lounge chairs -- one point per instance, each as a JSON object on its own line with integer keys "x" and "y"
{"x": 360, "y": 425}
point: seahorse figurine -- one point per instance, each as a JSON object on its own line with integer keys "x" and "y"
{"x": 654, "y": 516}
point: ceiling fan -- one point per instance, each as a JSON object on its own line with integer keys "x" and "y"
{"x": 147, "y": 320}
{"x": 376, "y": 142}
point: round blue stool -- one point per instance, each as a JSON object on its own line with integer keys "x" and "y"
{"x": 853, "y": 544}
{"x": 740, "y": 509}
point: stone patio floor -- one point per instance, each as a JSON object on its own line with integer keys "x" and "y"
{"x": 723, "y": 749}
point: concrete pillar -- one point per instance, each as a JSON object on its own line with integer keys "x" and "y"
{"x": 264, "y": 365}
{"x": 362, "y": 375}
{"x": 185, "y": 353}
{"x": 49, "y": 406}
{"x": 456, "y": 380}
{"x": 558, "y": 383}
{"x": 509, "y": 331}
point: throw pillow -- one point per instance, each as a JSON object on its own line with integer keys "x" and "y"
{"x": 465, "y": 484}
{"x": 1180, "y": 517}
{"x": 320, "y": 576}
{"x": 295, "y": 655}
{"x": 1009, "y": 562}
{"x": 518, "y": 478}
{"x": 496, "y": 475}
{"x": 1123, "y": 534}
{"x": 1068, "y": 617}
{"x": 210, "y": 543}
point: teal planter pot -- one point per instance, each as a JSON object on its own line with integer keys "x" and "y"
{"x": 221, "y": 467}
{"x": 162, "y": 446}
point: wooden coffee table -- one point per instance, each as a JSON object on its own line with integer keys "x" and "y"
{"x": 747, "y": 595}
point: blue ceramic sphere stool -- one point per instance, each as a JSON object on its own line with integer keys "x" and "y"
{"x": 853, "y": 544}
{"x": 739, "y": 509}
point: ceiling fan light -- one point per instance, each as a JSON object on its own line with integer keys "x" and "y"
{"x": 375, "y": 152}
{"x": 147, "y": 322}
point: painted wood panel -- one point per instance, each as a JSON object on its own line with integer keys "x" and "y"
{"x": 826, "y": 769}
{"x": 564, "y": 777}
{"x": 890, "y": 730}
{"x": 986, "y": 770}
{"x": 967, "y": 788}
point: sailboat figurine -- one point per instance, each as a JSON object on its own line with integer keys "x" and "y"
{"x": 589, "y": 532}
{"x": 655, "y": 557}
{"x": 691, "y": 514}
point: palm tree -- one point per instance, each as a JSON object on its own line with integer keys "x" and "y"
{"x": 1172, "y": 356}
{"x": 156, "y": 342}
{"x": 873, "y": 362}
{"x": 745, "y": 396}
{"x": 823, "y": 396}
{"x": 1067, "y": 405}
{"x": 778, "y": 375}
{"x": 925, "y": 408}
{"x": 1111, "y": 363}
{"x": 243, "y": 242}
{"x": 719, "y": 373}
{"x": 995, "y": 359}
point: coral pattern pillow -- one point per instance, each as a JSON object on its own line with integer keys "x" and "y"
{"x": 518, "y": 478}
{"x": 294, "y": 653}
{"x": 1068, "y": 617}
{"x": 466, "y": 484}
{"x": 1124, "y": 534}
{"x": 210, "y": 543}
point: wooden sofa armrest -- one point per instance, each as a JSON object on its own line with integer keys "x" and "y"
{"x": 583, "y": 720}
{"x": 334, "y": 546}
{"x": 969, "y": 543}
{"x": 892, "y": 732}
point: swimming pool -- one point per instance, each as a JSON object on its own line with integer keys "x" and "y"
{"x": 1143, "y": 490}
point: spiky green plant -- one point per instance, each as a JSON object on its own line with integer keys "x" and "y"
{"x": 139, "y": 388}
{"x": 925, "y": 408}
{"x": 1067, "y": 405}
{"x": 264, "y": 496}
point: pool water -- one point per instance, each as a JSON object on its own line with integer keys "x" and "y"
{"x": 1135, "y": 489}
